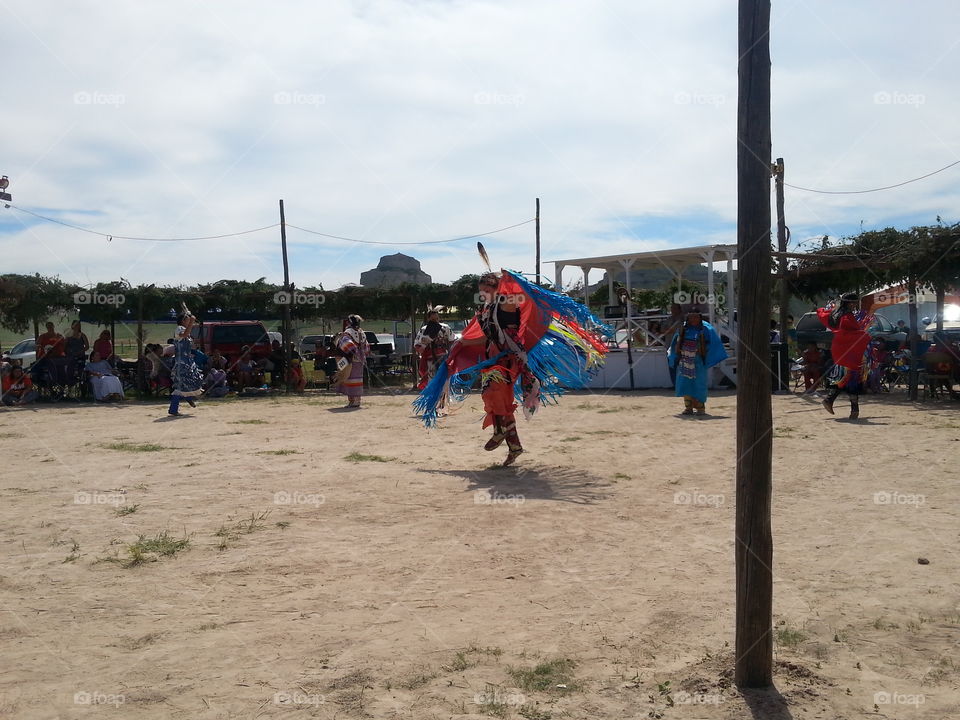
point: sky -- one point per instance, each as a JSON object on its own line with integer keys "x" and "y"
{"x": 405, "y": 121}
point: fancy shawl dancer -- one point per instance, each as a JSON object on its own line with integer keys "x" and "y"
{"x": 186, "y": 376}
{"x": 526, "y": 345}
{"x": 695, "y": 349}
{"x": 431, "y": 345}
{"x": 352, "y": 342}
{"x": 848, "y": 347}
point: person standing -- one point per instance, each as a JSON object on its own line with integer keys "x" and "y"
{"x": 694, "y": 350}
{"x": 848, "y": 347}
{"x": 432, "y": 343}
{"x": 76, "y": 346}
{"x": 671, "y": 326}
{"x": 186, "y": 376}
{"x": 352, "y": 342}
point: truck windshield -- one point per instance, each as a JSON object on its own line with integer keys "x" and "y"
{"x": 244, "y": 334}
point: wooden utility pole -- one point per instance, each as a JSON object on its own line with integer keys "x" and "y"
{"x": 782, "y": 238}
{"x": 754, "y": 542}
{"x": 537, "y": 269}
{"x": 286, "y": 308}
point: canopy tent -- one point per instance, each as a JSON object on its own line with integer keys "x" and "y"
{"x": 643, "y": 325}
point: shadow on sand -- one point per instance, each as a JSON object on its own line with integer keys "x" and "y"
{"x": 766, "y": 704}
{"x": 533, "y": 483}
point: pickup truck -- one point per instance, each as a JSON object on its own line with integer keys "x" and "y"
{"x": 230, "y": 337}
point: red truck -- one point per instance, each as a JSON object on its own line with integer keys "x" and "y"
{"x": 230, "y": 337}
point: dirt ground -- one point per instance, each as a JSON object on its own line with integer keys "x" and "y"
{"x": 274, "y": 558}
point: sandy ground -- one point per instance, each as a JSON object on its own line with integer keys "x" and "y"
{"x": 435, "y": 585}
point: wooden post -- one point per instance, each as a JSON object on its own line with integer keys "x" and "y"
{"x": 913, "y": 378}
{"x": 286, "y": 308}
{"x": 754, "y": 543}
{"x": 537, "y": 268}
{"x": 778, "y": 173}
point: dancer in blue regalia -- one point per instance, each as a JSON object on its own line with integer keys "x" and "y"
{"x": 694, "y": 350}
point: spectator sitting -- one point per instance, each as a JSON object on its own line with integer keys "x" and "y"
{"x": 17, "y": 388}
{"x": 159, "y": 372}
{"x": 246, "y": 368}
{"x": 215, "y": 384}
{"x": 296, "y": 377}
{"x": 216, "y": 361}
{"x": 106, "y": 385}
{"x": 201, "y": 359}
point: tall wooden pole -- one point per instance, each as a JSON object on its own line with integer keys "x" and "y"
{"x": 286, "y": 308}
{"x": 778, "y": 174}
{"x": 537, "y": 269}
{"x": 754, "y": 542}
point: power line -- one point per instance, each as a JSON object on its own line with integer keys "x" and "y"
{"x": 111, "y": 236}
{"x": 860, "y": 192}
{"x": 421, "y": 242}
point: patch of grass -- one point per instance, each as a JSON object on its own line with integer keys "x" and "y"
{"x": 881, "y": 624}
{"x": 249, "y": 422}
{"x": 495, "y": 709}
{"x": 611, "y": 410}
{"x": 283, "y": 524}
{"x": 548, "y": 675}
{"x": 71, "y": 557}
{"x": 530, "y": 712}
{"x": 459, "y": 663}
{"x": 790, "y": 637}
{"x": 136, "y": 447}
{"x": 209, "y": 626}
{"x": 360, "y": 457}
{"x": 278, "y": 452}
{"x": 419, "y": 678}
{"x": 491, "y": 651}
{"x": 572, "y": 438}
{"x": 151, "y": 549}
{"x": 126, "y": 510}
{"x": 244, "y": 527}
{"x": 622, "y": 476}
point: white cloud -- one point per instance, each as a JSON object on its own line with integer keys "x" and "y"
{"x": 423, "y": 120}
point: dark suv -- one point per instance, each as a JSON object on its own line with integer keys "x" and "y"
{"x": 810, "y": 329}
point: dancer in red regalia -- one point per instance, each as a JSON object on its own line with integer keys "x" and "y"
{"x": 848, "y": 348}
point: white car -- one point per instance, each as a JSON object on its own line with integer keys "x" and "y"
{"x": 25, "y": 351}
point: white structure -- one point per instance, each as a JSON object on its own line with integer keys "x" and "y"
{"x": 643, "y": 364}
